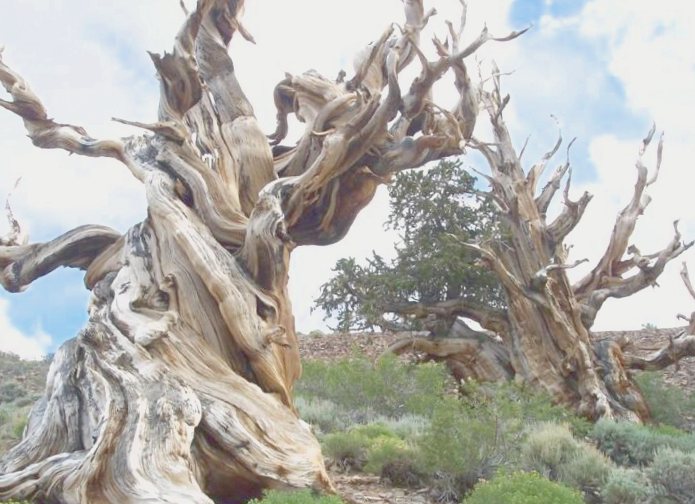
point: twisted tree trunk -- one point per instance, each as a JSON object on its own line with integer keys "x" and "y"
{"x": 543, "y": 338}
{"x": 179, "y": 389}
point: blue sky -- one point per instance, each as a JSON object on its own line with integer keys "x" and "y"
{"x": 605, "y": 68}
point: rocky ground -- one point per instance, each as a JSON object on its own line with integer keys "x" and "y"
{"x": 366, "y": 489}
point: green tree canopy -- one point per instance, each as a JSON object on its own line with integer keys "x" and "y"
{"x": 426, "y": 208}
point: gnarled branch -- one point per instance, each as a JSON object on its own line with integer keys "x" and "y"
{"x": 45, "y": 132}
{"x": 22, "y": 264}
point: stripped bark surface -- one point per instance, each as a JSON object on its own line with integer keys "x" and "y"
{"x": 179, "y": 389}
{"x": 543, "y": 338}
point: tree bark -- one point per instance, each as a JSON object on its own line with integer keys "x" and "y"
{"x": 544, "y": 337}
{"x": 179, "y": 389}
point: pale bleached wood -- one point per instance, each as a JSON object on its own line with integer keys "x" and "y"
{"x": 545, "y": 332}
{"x": 179, "y": 388}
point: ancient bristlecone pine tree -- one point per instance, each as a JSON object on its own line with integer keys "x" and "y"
{"x": 543, "y": 336}
{"x": 179, "y": 389}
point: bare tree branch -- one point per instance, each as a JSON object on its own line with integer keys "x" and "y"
{"x": 45, "y": 132}
{"x": 618, "y": 287}
{"x": 678, "y": 348}
{"x": 468, "y": 358}
{"x": 22, "y": 264}
{"x": 622, "y": 230}
{"x": 553, "y": 184}
{"x": 490, "y": 319}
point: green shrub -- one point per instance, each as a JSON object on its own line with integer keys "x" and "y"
{"x": 668, "y": 404}
{"x": 402, "y": 472}
{"x": 347, "y": 449}
{"x": 631, "y": 444}
{"x": 385, "y": 451}
{"x": 18, "y": 427}
{"x": 672, "y": 475}
{"x": 11, "y": 391}
{"x": 522, "y": 488}
{"x": 548, "y": 449}
{"x": 626, "y": 486}
{"x": 512, "y": 401}
{"x": 12, "y": 422}
{"x": 464, "y": 444}
{"x": 369, "y": 447}
{"x": 324, "y": 415}
{"x": 588, "y": 471}
{"x": 295, "y": 497}
{"x": 407, "y": 426}
{"x": 551, "y": 450}
{"x": 364, "y": 390}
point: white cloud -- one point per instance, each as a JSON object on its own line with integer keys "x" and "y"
{"x": 87, "y": 61}
{"x": 643, "y": 47}
{"x": 12, "y": 340}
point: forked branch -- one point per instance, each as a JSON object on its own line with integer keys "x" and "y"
{"x": 607, "y": 268}
{"x": 45, "y": 132}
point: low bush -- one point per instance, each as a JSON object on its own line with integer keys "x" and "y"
{"x": 522, "y": 488}
{"x": 365, "y": 391}
{"x": 385, "y": 451}
{"x": 407, "y": 426}
{"x": 626, "y": 486}
{"x": 551, "y": 450}
{"x": 12, "y": 422}
{"x": 369, "y": 447}
{"x": 410, "y": 431}
{"x": 348, "y": 450}
{"x": 295, "y": 497}
{"x": 668, "y": 404}
{"x": 512, "y": 401}
{"x": 324, "y": 415}
{"x": 672, "y": 475}
{"x": 588, "y": 471}
{"x": 468, "y": 441}
{"x": 11, "y": 391}
{"x": 631, "y": 444}
{"x": 548, "y": 449}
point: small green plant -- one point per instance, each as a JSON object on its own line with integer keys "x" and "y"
{"x": 18, "y": 427}
{"x": 407, "y": 426}
{"x": 551, "y": 450}
{"x": 672, "y": 475}
{"x": 626, "y": 486}
{"x": 13, "y": 419}
{"x": 324, "y": 415}
{"x": 369, "y": 447}
{"x": 464, "y": 444}
{"x": 630, "y": 444}
{"x": 385, "y": 451}
{"x": 11, "y": 391}
{"x": 588, "y": 470}
{"x": 548, "y": 449}
{"x": 512, "y": 401}
{"x": 522, "y": 488}
{"x": 295, "y": 497}
{"x": 365, "y": 391}
{"x": 348, "y": 450}
{"x": 668, "y": 404}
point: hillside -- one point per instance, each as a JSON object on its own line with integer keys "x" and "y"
{"x": 22, "y": 382}
{"x": 340, "y": 345}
